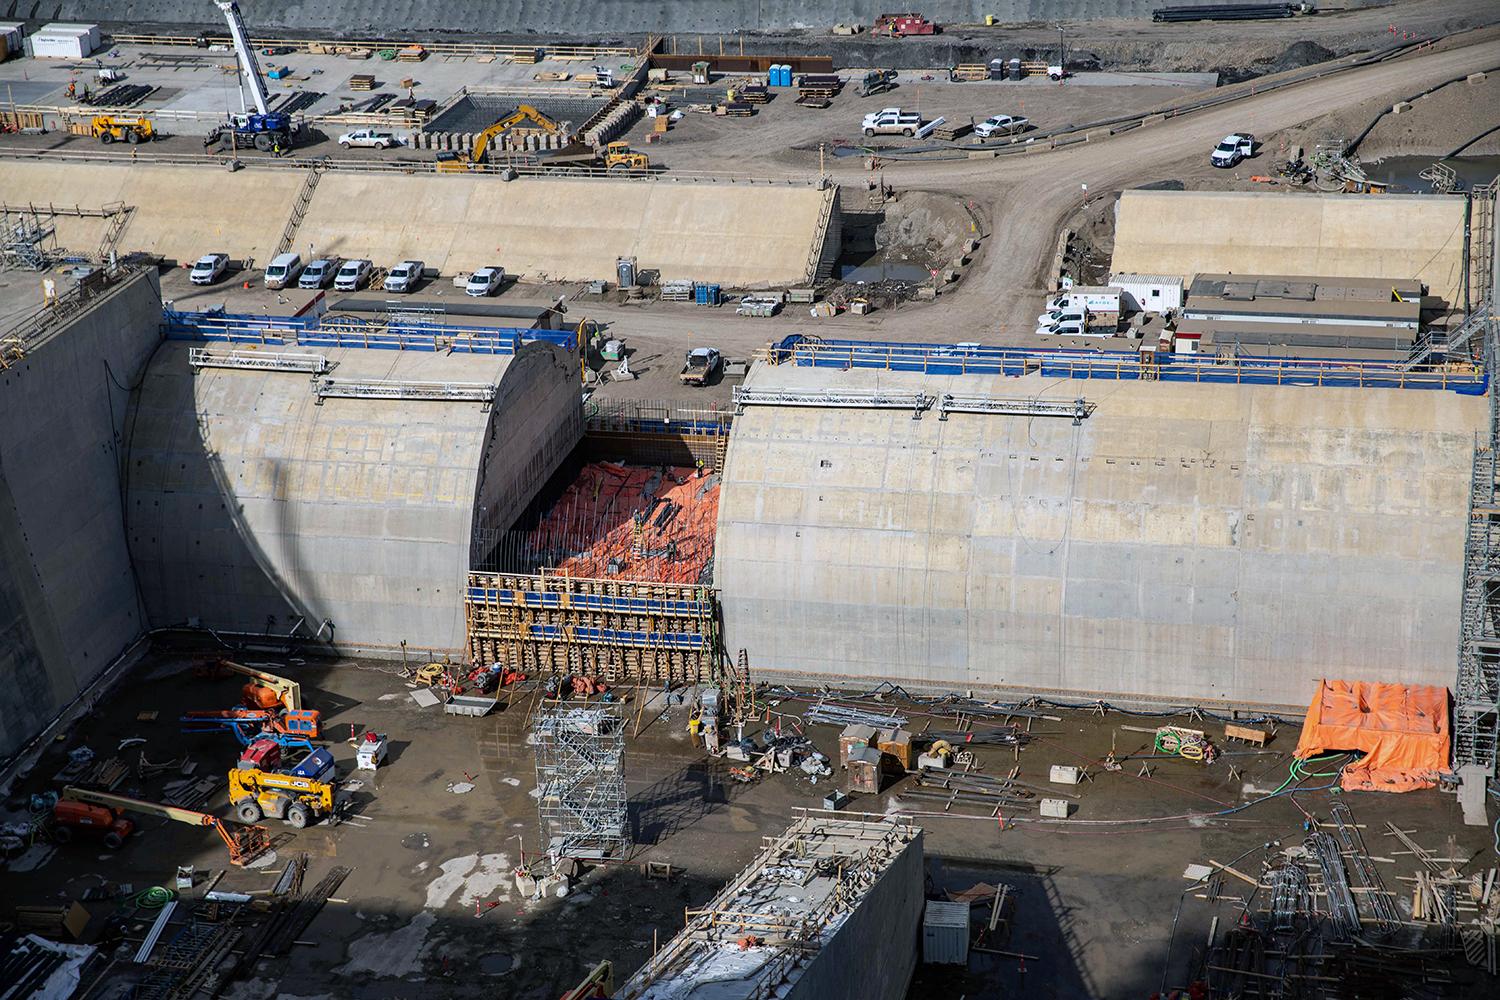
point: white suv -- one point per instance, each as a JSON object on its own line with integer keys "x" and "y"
{"x": 1234, "y": 148}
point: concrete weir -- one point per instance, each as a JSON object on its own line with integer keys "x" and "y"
{"x": 1184, "y": 542}
{"x": 252, "y": 504}
{"x": 737, "y": 234}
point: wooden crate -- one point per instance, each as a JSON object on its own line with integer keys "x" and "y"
{"x": 1248, "y": 734}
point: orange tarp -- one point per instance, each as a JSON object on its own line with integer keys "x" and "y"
{"x": 1402, "y": 729}
{"x": 596, "y": 521}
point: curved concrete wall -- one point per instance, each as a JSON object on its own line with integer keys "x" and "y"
{"x": 403, "y": 18}
{"x": 250, "y": 505}
{"x": 68, "y": 599}
{"x": 1256, "y": 232}
{"x": 1186, "y": 542}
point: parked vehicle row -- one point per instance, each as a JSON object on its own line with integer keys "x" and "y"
{"x": 289, "y": 270}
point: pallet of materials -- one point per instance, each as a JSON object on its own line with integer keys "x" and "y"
{"x": 953, "y": 130}
{"x": 736, "y": 109}
{"x": 677, "y": 291}
{"x": 362, "y": 81}
{"x": 412, "y": 53}
{"x": 808, "y": 101}
{"x": 825, "y": 85}
{"x": 754, "y": 93}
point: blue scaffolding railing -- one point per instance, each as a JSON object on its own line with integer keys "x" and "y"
{"x": 973, "y": 359}
{"x": 343, "y": 331}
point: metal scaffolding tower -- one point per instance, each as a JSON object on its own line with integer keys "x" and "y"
{"x": 1476, "y": 694}
{"x": 580, "y": 780}
{"x": 23, "y": 238}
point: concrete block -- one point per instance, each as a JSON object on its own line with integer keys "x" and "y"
{"x": 1474, "y": 79}
{"x": 1153, "y": 120}
{"x": 1400, "y": 107}
{"x": 1065, "y": 774}
{"x": 1056, "y": 808}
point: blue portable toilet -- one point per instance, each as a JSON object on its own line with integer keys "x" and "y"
{"x": 706, "y": 295}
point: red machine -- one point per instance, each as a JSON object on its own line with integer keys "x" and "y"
{"x": 900, "y": 25}
{"x": 70, "y": 817}
{"x": 261, "y": 754}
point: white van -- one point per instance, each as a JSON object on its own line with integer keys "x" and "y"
{"x": 283, "y": 270}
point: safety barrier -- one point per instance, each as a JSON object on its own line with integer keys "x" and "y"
{"x": 342, "y": 331}
{"x": 970, "y": 359}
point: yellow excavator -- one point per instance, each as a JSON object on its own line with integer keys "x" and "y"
{"x": 524, "y": 116}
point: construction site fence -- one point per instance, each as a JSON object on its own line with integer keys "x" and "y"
{"x": 392, "y": 335}
{"x": 406, "y": 167}
{"x": 967, "y": 359}
{"x": 437, "y": 48}
{"x": 653, "y": 417}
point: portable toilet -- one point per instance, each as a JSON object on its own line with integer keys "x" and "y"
{"x": 1015, "y": 68}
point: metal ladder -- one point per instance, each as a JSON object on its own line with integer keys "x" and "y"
{"x": 119, "y": 218}
{"x": 299, "y": 207}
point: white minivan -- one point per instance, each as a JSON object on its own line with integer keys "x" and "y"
{"x": 283, "y": 270}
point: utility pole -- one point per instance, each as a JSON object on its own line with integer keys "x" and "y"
{"x": 1062, "y": 57}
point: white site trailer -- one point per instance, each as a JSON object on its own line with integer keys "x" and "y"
{"x": 1149, "y": 293}
{"x": 60, "y": 40}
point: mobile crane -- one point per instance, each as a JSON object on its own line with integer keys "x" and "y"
{"x": 261, "y": 128}
{"x": 73, "y": 811}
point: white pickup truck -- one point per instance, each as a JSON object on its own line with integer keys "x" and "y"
{"x": 369, "y": 138}
{"x": 892, "y": 121}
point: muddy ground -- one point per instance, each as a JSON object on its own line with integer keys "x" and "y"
{"x": 433, "y": 837}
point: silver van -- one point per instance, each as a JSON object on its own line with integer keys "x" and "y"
{"x": 283, "y": 270}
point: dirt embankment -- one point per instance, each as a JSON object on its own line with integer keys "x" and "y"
{"x": 1437, "y": 123}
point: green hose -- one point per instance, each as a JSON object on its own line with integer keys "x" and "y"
{"x": 154, "y": 897}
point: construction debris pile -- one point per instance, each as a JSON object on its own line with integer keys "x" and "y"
{"x": 631, "y": 523}
{"x": 1323, "y": 922}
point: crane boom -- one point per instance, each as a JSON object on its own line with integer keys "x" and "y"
{"x": 245, "y": 843}
{"x": 249, "y": 68}
{"x": 289, "y": 691}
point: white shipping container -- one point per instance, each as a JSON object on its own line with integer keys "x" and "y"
{"x": 1149, "y": 293}
{"x": 945, "y": 933}
{"x": 45, "y": 46}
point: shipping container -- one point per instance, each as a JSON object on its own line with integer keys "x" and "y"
{"x": 64, "y": 41}
{"x": 1149, "y": 293}
{"x": 945, "y": 933}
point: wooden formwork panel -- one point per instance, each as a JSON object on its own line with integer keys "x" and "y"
{"x": 620, "y": 631}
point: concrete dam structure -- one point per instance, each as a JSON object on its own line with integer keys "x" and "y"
{"x": 69, "y": 605}
{"x": 739, "y": 235}
{"x": 255, "y": 505}
{"x": 1243, "y": 232}
{"x": 1183, "y": 542}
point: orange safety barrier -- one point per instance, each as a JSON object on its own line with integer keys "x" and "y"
{"x": 1402, "y": 729}
{"x": 596, "y": 517}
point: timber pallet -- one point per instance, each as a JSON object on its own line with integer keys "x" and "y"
{"x": 755, "y": 94}
{"x": 738, "y": 109}
{"x": 955, "y": 131}
{"x": 809, "y": 101}
{"x": 362, "y": 81}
